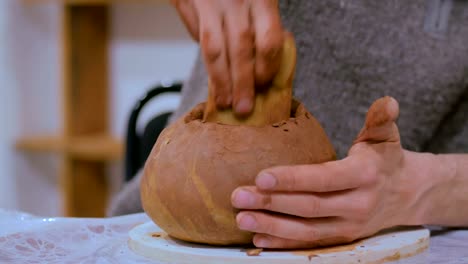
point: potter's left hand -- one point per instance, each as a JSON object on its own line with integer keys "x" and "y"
{"x": 338, "y": 201}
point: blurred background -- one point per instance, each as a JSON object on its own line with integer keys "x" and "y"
{"x": 70, "y": 73}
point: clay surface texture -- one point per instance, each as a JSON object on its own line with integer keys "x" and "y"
{"x": 195, "y": 166}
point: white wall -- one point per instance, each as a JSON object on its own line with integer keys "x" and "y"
{"x": 149, "y": 45}
{"x": 8, "y": 127}
{"x": 31, "y": 62}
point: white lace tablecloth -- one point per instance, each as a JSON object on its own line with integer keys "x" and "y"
{"x": 28, "y": 239}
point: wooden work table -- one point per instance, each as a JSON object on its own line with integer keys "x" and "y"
{"x": 85, "y": 143}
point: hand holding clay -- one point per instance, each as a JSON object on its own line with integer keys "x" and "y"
{"x": 337, "y": 201}
{"x": 190, "y": 191}
{"x": 241, "y": 43}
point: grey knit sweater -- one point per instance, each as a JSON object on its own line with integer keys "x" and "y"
{"x": 351, "y": 52}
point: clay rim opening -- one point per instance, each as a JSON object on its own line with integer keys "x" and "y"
{"x": 196, "y": 114}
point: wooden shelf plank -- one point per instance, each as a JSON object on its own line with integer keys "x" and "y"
{"x": 97, "y": 148}
{"x": 45, "y": 144}
{"x": 90, "y": 148}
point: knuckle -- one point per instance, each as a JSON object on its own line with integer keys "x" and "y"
{"x": 325, "y": 183}
{"x": 268, "y": 50}
{"x": 245, "y": 33}
{"x": 221, "y": 84}
{"x": 212, "y": 53}
{"x": 347, "y": 231}
{"x": 290, "y": 182}
{"x": 212, "y": 49}
{"x": 350, "y": 233}
{"x": 267, "y": 202}
{"x": 364, "y": 210}
{"x": 312, "y": 233}
{"x": 244, "y": 50}
{"x": 269, "y": 227}
{"x": 269, "y": 45}
{"x": 369, "y": 175}
{"x": 241, "y": 77}
{"x": 313, "y": 208}
{"x": 324, "y": 180}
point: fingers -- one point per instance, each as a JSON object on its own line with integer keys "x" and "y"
{"x": 269, "y": 38}
{"x": 331, "y": 176}
{"x": 268, "y": 241}
{"x": 305, "y": 204}
{"x": 214, "y": 50}
{"x": 291, "y": 227}
{"x": 189, "y": 16}
{"x": 380, "y": 123}
{"x": 382, "y": 111}
{"x": 240, "y": 42}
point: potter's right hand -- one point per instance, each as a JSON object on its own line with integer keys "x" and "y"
{"x": 241, "y": 42}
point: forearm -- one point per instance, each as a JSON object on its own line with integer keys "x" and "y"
{"x": 441, "y": 187}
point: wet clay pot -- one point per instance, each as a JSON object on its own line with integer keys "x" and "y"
{"x": 197, "y": 163}
{"x": 195, "y": 166}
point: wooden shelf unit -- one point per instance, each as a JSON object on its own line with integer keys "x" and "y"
{"x": 84, "y": 144}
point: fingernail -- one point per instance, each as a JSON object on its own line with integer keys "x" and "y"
{"x": 243, "y": 199}
{"x": 265, "y": 181}
{"x": 247, "y": 222}
{"x": 262, "y": 242}
{"x": 244, "y": 106}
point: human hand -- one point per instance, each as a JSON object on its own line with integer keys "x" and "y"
{"x": 335, "y": 202}
{"x": 241, "y": 42}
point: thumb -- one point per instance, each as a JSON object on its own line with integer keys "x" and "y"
{"x": 380, "y": 123}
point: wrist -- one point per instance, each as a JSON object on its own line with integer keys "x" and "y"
{"x": 432, "y": 178}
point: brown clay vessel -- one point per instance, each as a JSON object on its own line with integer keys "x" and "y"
{"x": 199, "y": 160}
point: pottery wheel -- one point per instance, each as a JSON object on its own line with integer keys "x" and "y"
{"x": 150, "y": 241}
